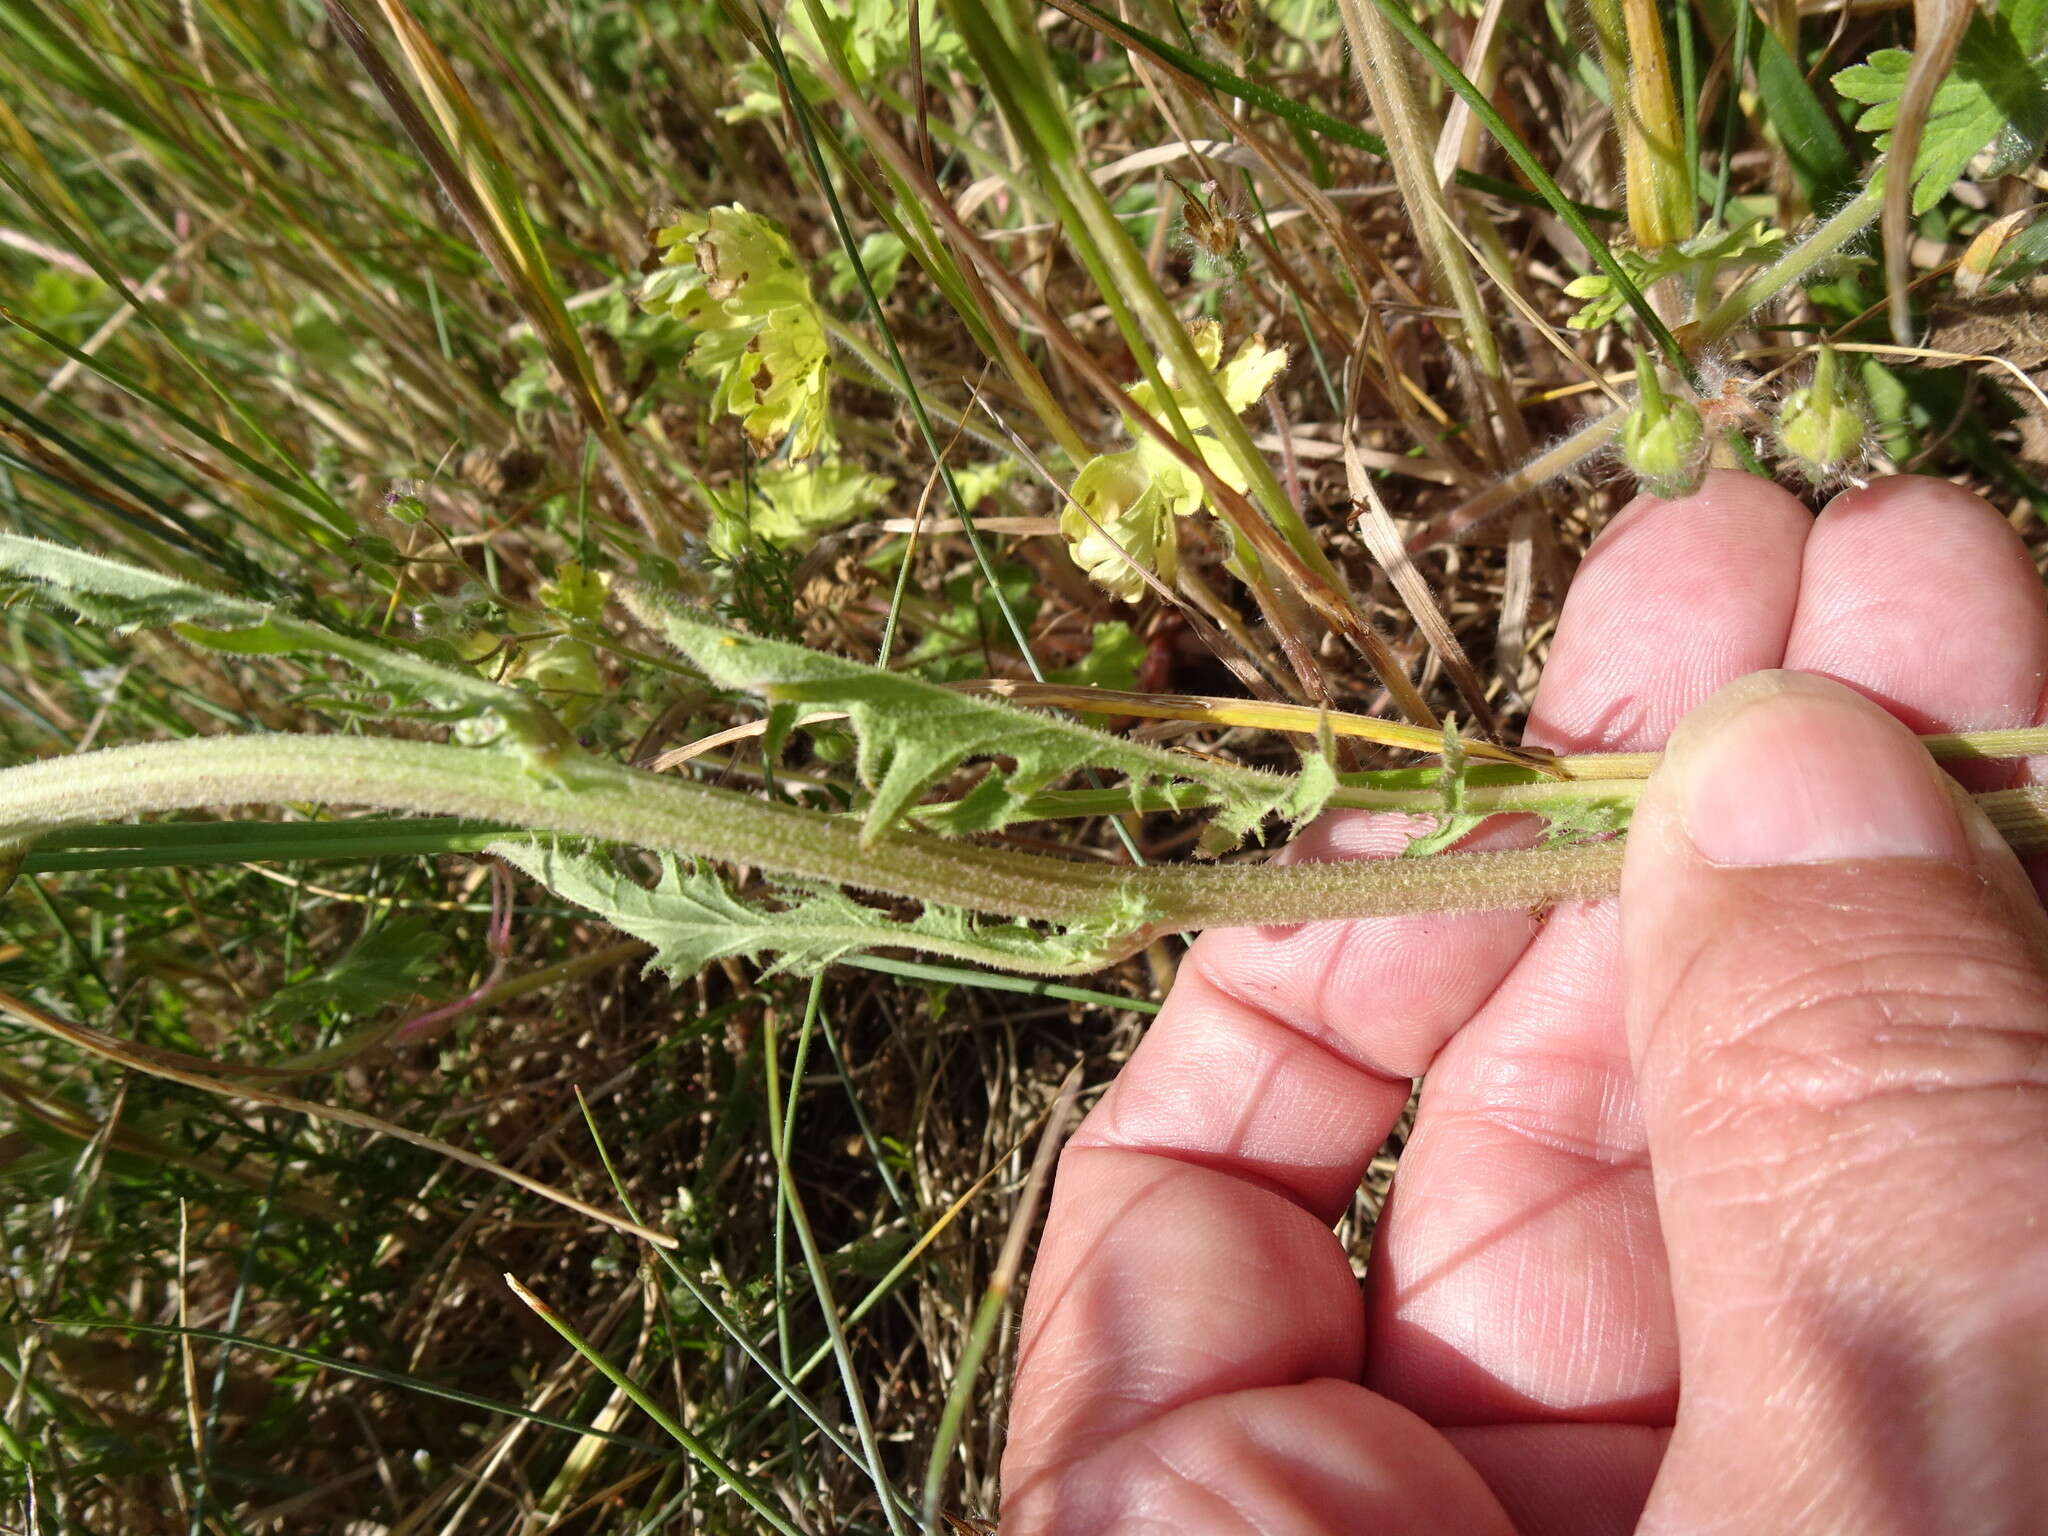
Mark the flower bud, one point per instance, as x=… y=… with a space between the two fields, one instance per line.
x=1663 y=439
x=1822 y=425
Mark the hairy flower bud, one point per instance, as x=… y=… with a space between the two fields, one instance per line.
x=1663 y=440
x=1822 y=425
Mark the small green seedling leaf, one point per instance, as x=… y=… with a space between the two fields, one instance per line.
x=790 y=505
x=913 y=733
x=392 y=962
x=1993 y=103
x=1695 y=261
x=1113 y=659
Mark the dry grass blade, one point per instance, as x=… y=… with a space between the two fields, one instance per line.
x=1375 y=525
x=480 y=189
x=108 y=1048
x=1938 y=28
x=996 y=1300
x=1462 y=521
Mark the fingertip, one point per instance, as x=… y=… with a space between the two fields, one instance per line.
x=1920 y=595
x=1675 y=598
x=1911 y=495
x=1719 y=491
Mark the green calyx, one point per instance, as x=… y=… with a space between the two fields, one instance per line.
x=1822 y=425
x=1663 y=439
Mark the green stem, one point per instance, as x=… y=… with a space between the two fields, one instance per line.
x=596 y=799
x=1797 y=264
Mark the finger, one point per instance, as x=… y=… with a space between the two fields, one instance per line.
x=1922 y=597
x=1566 y=1479
x=1918 y=595
x=1835 y=974
x=1188 y=1251
x=1518 y=1272
x=1320 y=1457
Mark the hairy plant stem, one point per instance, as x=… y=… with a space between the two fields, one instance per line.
x=1824 y=244
x=588 y=797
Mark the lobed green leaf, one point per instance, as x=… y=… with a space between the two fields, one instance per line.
x=1995 y=100
x=913 y=733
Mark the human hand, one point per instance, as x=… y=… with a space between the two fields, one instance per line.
x=1759 y=1151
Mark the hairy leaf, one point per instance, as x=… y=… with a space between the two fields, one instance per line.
x=1994 y=99
x=692 y=919
x=111 y=594
x=117 y=596
x=913 y=733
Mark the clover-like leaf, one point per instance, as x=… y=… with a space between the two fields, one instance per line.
x=790 y=505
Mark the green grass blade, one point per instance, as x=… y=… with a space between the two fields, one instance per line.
x=193 y=844
x=1447 y=70
x=708 y=1458
x=357 y=1368
x=1806 y=131
x=996 y=981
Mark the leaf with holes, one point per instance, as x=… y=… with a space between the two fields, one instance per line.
x=733 y=276
x=692 y=918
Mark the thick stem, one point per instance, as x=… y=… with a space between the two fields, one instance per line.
x=1646 y=116
x=597 y=799
x=588 y=797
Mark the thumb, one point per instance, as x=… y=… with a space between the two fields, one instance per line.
x=1838 y=1008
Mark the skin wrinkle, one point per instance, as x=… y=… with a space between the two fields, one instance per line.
x=1739 y=1055
x=1309 y=1073
x=1523 y=1099
x=1308 y=1352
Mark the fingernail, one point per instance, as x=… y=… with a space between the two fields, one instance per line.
x=1785 y=768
